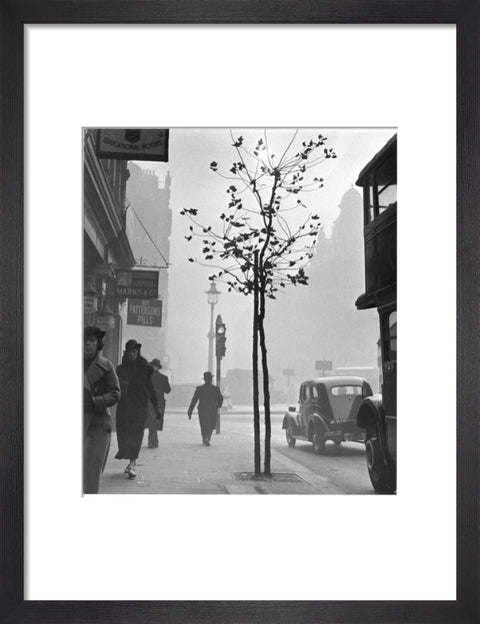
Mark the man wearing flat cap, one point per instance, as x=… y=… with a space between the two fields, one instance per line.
x=101 y=390
x=209 y=400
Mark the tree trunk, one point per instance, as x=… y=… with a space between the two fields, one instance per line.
x=266 y=385
x=256 y=405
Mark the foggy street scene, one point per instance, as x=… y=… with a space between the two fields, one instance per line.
x=239 y=310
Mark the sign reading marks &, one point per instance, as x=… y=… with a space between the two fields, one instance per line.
x=137 y=284
x=146 y=312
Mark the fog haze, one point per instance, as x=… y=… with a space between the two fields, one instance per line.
x=294 y=323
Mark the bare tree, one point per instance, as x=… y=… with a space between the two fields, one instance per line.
x=265 y=239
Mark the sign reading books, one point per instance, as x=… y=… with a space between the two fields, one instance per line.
x=133 y=144
x=146 y=312
x=137 y=284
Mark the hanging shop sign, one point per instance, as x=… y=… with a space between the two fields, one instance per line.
x=137 y=284
x=133 y=144
x=90 y=303
x=146 y=312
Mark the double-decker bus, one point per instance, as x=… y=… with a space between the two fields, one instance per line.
x=378 y=413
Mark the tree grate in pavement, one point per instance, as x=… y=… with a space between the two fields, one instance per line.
x=278 y=477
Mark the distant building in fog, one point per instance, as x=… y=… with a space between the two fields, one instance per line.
x=150 y=225
x=337 y=278
x=330 y=327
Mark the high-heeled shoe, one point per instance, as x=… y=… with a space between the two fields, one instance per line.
x=131 y=473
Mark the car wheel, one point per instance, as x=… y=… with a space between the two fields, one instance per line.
x=291 y=441
x=318 y=440
x=380 y=474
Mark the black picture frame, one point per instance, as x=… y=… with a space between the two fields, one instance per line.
x=465 y=14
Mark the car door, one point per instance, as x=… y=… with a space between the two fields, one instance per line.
x=303 y=408
x=314 y=403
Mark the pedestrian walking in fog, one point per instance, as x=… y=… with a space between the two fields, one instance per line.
x=161 y=385
x=135 y=375
x=209 y=400
x=101 y=390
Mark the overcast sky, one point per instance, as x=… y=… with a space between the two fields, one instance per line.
x=194 y=185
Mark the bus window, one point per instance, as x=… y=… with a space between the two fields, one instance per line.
x=369 y=201
x=387 y=184
x=392 y=323
x=390 y=339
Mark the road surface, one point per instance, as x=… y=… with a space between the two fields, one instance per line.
x=344 y=466
x=183 y=465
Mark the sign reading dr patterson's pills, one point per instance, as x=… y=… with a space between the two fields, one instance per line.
x=133 y=144
x=137 y=284
x=146 y=312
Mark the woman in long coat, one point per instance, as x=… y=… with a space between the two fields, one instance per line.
x=135 y=375
x=101 y=390
x=154 y=422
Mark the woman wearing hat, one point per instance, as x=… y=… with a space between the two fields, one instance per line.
x=135 y=375
x=101 y=390
x=154 y=422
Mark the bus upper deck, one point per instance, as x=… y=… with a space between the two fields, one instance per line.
x=379 y=182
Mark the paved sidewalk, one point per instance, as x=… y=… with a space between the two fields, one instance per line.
x=183 y=465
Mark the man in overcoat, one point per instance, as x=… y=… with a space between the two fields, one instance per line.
x=101 y=390
x=209 y=400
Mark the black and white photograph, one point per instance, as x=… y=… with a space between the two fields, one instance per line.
x=213 y=264
x=240 y=310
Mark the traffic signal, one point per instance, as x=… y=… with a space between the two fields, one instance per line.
x=220 y=338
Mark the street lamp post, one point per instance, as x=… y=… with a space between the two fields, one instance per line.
x=212 y=295
x=220 y=340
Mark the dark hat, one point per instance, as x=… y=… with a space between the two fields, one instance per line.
x=155 y=362
x=93 y=331
x=207 y=375
x=132 y=344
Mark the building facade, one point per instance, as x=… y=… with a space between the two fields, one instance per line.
x=106 y=245
x=337 y=275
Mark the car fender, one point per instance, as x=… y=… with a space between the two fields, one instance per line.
x=371 y=410
x=371 y=407
x=289 y=420
x=316 y=419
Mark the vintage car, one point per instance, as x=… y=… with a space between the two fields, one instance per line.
x=328 y=408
